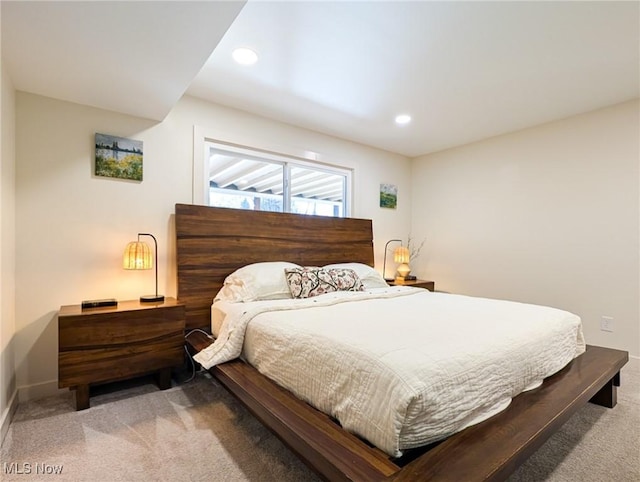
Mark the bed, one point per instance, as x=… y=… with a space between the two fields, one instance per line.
x=214 y=242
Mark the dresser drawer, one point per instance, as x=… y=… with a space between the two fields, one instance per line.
x=105 y=328
x=99 y=365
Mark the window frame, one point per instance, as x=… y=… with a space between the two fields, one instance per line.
x=288 y=157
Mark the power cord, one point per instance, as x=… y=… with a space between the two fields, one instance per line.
x=190 y=358
x=193 y=366
x=208 y=335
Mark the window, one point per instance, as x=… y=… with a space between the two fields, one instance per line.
x=247 y=179
x=244 y=183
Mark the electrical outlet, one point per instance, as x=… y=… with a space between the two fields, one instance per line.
x=606 y=323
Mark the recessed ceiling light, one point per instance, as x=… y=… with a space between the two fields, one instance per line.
x=244 y=56
x=403 y=119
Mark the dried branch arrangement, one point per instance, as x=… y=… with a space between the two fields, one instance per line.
x=414 y=251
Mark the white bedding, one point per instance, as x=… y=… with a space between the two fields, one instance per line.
x=399 y=366
x=217 y=318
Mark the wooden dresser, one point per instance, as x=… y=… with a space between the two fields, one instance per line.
x=100 y=345
x=417 y=283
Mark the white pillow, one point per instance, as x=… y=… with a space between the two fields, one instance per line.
x=257 y=281
x=370 y=277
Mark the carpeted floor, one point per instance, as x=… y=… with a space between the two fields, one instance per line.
x=198 y=432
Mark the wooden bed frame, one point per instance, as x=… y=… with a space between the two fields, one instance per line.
x=213 y=242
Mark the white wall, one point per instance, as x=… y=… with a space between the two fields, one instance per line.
x=7 y=251
x=72 y=226
x=547 y=215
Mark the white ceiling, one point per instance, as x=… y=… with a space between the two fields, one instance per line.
x=132 y=57
x=463 y=70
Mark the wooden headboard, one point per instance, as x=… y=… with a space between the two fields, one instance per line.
x=213 y=242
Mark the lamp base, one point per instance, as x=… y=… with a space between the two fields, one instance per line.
x=151 y=298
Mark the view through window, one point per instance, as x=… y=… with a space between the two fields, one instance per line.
x=251 y=180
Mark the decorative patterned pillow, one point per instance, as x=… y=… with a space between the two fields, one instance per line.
x=310 y=281
x=346 y=279
x=369 y=276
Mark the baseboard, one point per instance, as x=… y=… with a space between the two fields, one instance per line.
x=39 y=390
x=7 y=416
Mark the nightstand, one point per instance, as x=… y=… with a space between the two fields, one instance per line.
x=416 y=283
x=100 y=345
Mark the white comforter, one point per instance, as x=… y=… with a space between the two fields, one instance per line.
x=401 y=367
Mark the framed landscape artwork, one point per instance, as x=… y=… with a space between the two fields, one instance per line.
x=118 y=157
x=388 y=196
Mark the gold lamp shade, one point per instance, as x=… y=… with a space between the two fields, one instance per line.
x=137 y=255
x=401 y=255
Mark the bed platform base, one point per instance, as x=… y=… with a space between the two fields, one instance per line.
x=490 y=451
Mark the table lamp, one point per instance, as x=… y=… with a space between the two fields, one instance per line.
x=137 y=255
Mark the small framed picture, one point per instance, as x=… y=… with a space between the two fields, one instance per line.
x=388 y=196
x=118 y=157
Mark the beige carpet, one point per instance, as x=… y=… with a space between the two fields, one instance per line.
x=198 y=432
